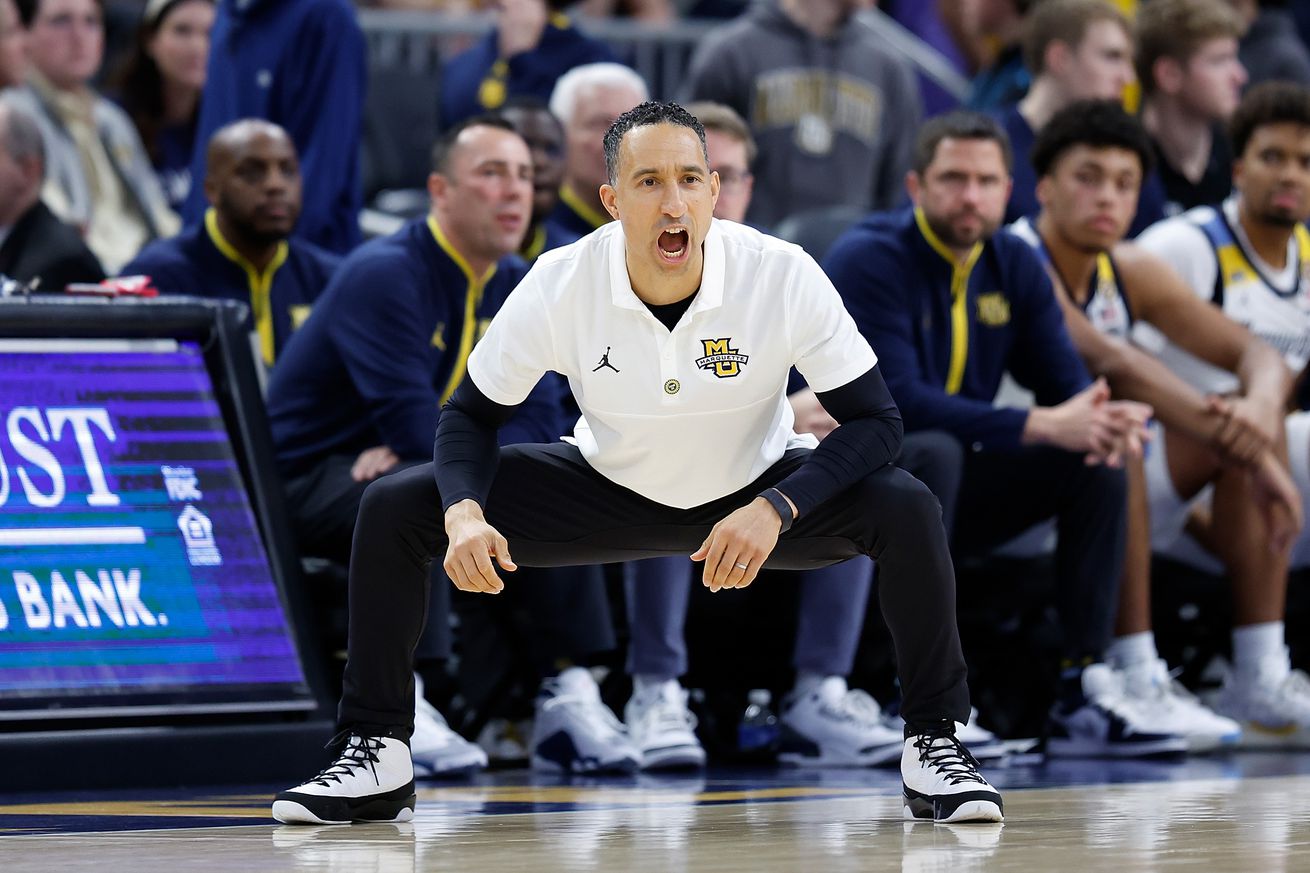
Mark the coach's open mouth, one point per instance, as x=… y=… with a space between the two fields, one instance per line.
x=673 y=243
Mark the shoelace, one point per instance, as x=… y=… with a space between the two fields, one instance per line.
x=943 y=752
x=360 y=753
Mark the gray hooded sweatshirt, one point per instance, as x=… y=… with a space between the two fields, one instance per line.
x=835 y=119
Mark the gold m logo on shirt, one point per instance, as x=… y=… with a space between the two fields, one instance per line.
x=993 y=309
x=720 y=358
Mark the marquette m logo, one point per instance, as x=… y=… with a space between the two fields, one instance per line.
x=993 y=309
x=719 y=357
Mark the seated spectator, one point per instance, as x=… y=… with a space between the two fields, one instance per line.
x=541 y=130
x=98 y=176
x=33 y=243
x=928 y=21
x=991 y=33
x=13 y=46
x=832 y=110
x=300 y=64
x=1191 y=82
x=1074 y=50
x=531 y=46
x=359 y=391
x=160 y=86
x=242 y=251
x=732 y=151
x=952 y=303
x=1271 y=49
x=586 y=100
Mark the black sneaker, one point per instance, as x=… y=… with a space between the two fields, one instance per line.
x=941 y=782
x=372 y=780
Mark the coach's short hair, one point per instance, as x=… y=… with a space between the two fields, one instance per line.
x=1064 y=21
x=960 y=124
x=1268 y=103
x=445 y=144
x=1177 y=29
x=564 y=99
x=650 y=112
x=1095 y=123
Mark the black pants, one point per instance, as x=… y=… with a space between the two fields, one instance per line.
x=1004 y=494
x=570 y=605
x=324 y=503
x=936 y=459
x=554 y=509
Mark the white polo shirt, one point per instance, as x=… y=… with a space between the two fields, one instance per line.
x=687 y=416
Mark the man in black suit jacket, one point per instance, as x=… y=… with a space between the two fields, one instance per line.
x=33 y=243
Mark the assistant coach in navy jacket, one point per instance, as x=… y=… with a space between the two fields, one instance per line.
x=360 y=388
x=952 y=304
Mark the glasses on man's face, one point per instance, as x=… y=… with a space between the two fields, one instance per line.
x=730 y=177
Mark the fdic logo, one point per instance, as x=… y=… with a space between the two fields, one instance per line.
x=719 y=357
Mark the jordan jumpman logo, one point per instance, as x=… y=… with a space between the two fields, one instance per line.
x=605 y=362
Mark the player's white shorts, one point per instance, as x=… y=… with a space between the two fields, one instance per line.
x=1169 y=512
x=1298 y=454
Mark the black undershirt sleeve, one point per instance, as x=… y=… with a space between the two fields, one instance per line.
x=465 y=454
x=869 y=438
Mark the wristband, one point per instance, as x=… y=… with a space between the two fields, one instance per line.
x=781 y=506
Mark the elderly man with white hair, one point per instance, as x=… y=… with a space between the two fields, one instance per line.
x=587 y=100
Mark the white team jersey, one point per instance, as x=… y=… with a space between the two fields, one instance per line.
x=1105 y=307
x=1209 y=250
x=687 y=416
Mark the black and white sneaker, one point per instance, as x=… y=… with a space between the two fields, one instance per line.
x=941 y=781
x=1102 y=722
x=372 y=780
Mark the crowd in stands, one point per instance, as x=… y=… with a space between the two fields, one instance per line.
x=1100 y=246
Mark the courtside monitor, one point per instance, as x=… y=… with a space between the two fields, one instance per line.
x=140 y=573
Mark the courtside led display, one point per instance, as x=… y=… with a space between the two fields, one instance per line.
x=131 y=566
